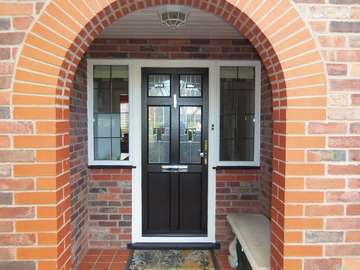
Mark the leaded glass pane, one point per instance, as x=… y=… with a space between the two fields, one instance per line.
x=190 y=85
x=111 y=113
x=102 y=125
x=159 y=85
x=237 y=113
x=190 y=134
x=159 y=134
x=102 y=148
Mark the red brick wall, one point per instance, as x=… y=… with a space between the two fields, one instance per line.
x=172 y=49
x=78 y=165
x=237 y=190
x=109 y=208
x=307 y=122
x=266 y=147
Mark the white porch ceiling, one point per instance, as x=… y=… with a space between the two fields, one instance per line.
x=146 y=24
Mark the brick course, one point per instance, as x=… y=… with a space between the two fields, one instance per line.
x=78 y=165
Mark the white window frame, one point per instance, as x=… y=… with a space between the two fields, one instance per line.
x=256 y=161
x=135 y=125
x=90 y=105
x=134 y=66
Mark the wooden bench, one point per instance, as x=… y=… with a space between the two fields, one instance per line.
x=253 y=233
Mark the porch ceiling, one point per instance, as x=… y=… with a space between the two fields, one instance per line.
x=146 y=24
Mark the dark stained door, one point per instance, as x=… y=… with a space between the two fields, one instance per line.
x=174 y=145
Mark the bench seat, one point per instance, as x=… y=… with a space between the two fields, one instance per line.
x=253 y=233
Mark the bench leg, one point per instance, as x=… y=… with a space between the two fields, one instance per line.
x=242 y=261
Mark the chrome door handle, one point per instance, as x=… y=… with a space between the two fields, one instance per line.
x=174 y=167
x=204 y=154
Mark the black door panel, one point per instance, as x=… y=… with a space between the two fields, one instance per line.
x=174 y=143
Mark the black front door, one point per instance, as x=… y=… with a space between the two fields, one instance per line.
x=174 y=145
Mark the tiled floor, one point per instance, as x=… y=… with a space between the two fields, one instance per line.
x=111 y=259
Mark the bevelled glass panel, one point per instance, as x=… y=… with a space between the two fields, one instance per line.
x=111 y=113
x=159 y=85
x=102 y=147
x=190 y=85
x=190 y=134
x=159 y=134
x=237 y=113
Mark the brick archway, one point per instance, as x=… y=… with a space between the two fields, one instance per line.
x=44 y=74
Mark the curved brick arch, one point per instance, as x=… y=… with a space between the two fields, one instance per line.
x=45 y=70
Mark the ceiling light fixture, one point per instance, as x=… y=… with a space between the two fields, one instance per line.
x=173 y=16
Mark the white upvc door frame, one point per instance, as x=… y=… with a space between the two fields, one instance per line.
x=135 y=124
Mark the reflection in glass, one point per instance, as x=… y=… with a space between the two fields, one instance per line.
x=102 y=125
x=116 y=149
x=102 y=75
x=159 y=85
x=237 y=113
x=190 y=85
x=111 y=113
x=102 y=148
x=190 y=134
x=159 y=134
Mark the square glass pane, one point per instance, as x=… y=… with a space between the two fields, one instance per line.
x=118 y=99
x=103 y=72
x=237 y=113
x=124 y=147
x=190 y=85
x=102 y=84
x=102 y=100
x=120 y=86
x=159 y=134
x=115 y=149
x=237 y=73
x=190 y=135
x=159 y=85
x=120 y=72
x=102 y=125
x=124 y=118
x=115 y=125
x=102 y=75
x=102 y=149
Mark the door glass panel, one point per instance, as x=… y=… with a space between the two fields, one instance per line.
x=159 y=85
x=190 y=85
x=159 y=134
x=237 y=113
x=190 y=134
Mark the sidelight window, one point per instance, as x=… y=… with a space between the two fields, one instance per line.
x=109 y=114
x=239 y=111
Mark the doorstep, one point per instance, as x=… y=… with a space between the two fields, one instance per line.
x=116 y=259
